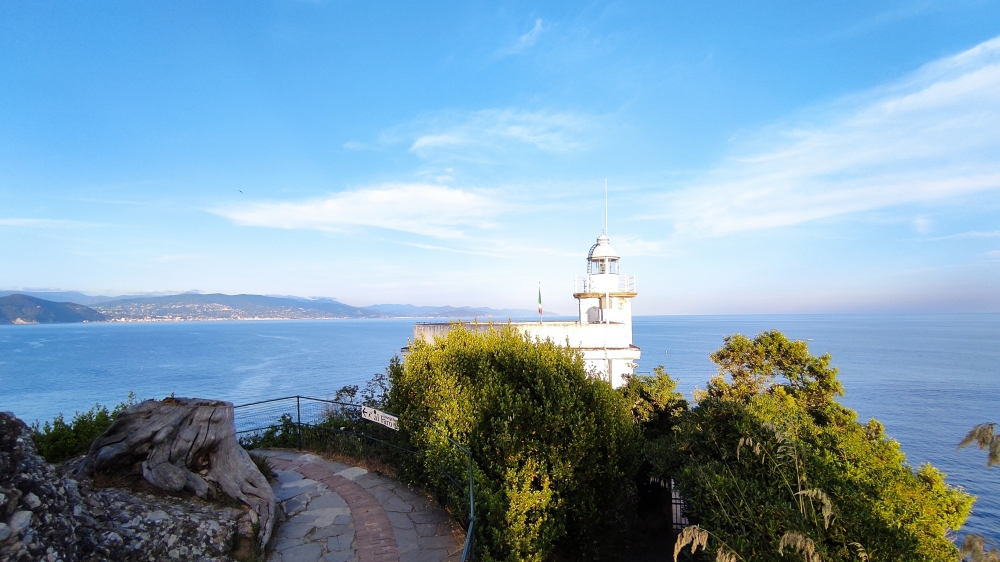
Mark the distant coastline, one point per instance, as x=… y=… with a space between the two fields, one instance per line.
x=33 y=308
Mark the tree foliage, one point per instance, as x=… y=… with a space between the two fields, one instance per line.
x=771 y=466
x=59 y=441
x=555 y=449
x=985 y=437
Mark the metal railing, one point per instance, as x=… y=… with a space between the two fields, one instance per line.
x=600 y=284
x=298 y=420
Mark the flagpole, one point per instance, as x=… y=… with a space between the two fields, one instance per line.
x=539 y=302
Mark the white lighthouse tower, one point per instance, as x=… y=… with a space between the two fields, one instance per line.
x=604 y=294
x=603 y=330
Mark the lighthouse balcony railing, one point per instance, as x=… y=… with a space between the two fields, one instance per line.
x=604 y=283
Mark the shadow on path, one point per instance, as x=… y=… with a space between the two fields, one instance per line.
x=338 y=513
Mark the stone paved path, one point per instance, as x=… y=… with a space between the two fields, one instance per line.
x=338 y=513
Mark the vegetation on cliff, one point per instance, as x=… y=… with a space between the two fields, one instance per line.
x=555 y=449
x=58 y=441
x=770 y=463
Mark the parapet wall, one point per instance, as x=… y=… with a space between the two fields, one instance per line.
x=581 y=336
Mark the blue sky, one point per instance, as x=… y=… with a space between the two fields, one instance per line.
x=765 y=158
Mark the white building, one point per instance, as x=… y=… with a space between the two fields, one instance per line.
x=603 y=329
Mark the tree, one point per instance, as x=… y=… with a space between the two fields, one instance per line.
x=769 y=463
x=974 y=547
x=985 y=437
x=555 y=449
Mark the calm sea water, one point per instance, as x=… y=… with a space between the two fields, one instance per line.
x=929 y=379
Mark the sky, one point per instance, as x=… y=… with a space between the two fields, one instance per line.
x=769 y=157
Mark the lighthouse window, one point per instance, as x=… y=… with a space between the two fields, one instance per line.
x=603 y=267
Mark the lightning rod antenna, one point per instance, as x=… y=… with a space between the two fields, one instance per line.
x=606 y=208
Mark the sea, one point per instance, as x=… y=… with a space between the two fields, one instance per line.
x=928 y=378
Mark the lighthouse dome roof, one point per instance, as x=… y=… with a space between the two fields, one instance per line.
x=602 y=250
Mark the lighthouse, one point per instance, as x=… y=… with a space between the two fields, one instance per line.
x=604 y=294
x=602 y=332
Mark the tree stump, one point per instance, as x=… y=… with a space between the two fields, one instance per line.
x=186 y=444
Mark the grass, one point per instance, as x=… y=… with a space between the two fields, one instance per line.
x=263 y=464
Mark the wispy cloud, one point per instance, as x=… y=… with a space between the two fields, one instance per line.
x=904 y=11
x=171 y=258
x=934 y=134
x=524 y=42
x=634 y=246
x=429 y=210
x=969 y=234
x=488 y=135
x=494 y=131
x=46 y=223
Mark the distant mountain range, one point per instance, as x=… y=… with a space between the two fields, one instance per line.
x=23 y=309
x=197 y=306
x=74 y=296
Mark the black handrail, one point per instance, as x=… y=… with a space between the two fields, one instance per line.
x=467 y=551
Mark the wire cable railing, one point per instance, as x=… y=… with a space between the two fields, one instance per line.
x=304 y=422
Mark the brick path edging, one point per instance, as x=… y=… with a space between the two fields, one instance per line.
x=375 y=541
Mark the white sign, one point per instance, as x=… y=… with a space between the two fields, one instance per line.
x=379 y=416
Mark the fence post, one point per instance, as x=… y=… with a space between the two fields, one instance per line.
x=298 y=419
x=471 y=539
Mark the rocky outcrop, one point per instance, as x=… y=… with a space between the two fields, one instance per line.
x=45 y=515
x=187 y=444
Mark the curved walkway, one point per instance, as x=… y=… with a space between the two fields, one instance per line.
x=337 y=513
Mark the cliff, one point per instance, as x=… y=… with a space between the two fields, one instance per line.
x=22 y=309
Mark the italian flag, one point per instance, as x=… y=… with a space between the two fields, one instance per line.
x=539 y=299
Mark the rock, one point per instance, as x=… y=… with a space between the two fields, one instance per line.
x=20 y=521
x=48 y=516
x=186 y=444
x=32 y=501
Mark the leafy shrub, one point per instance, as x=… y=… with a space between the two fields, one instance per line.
x=555 y=449
x=769 y=467
x=283 y=435
x=59 y=441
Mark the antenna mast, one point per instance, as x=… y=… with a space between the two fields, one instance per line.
x=606 y=207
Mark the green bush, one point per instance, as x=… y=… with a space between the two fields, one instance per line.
x=339 y=430
x=59 y=441
x=555 y=450
x=283 y=435
x=771 y=467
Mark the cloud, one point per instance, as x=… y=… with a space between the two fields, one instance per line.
x=633 y=246
x=488 y=135
x=428 y=210
x=171 y=258
x=489 y=131
x=932 y=135
x=969 y=234
x=525 y=41
x=45 y=223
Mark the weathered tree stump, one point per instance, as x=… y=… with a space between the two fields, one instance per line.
x=185 y=444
